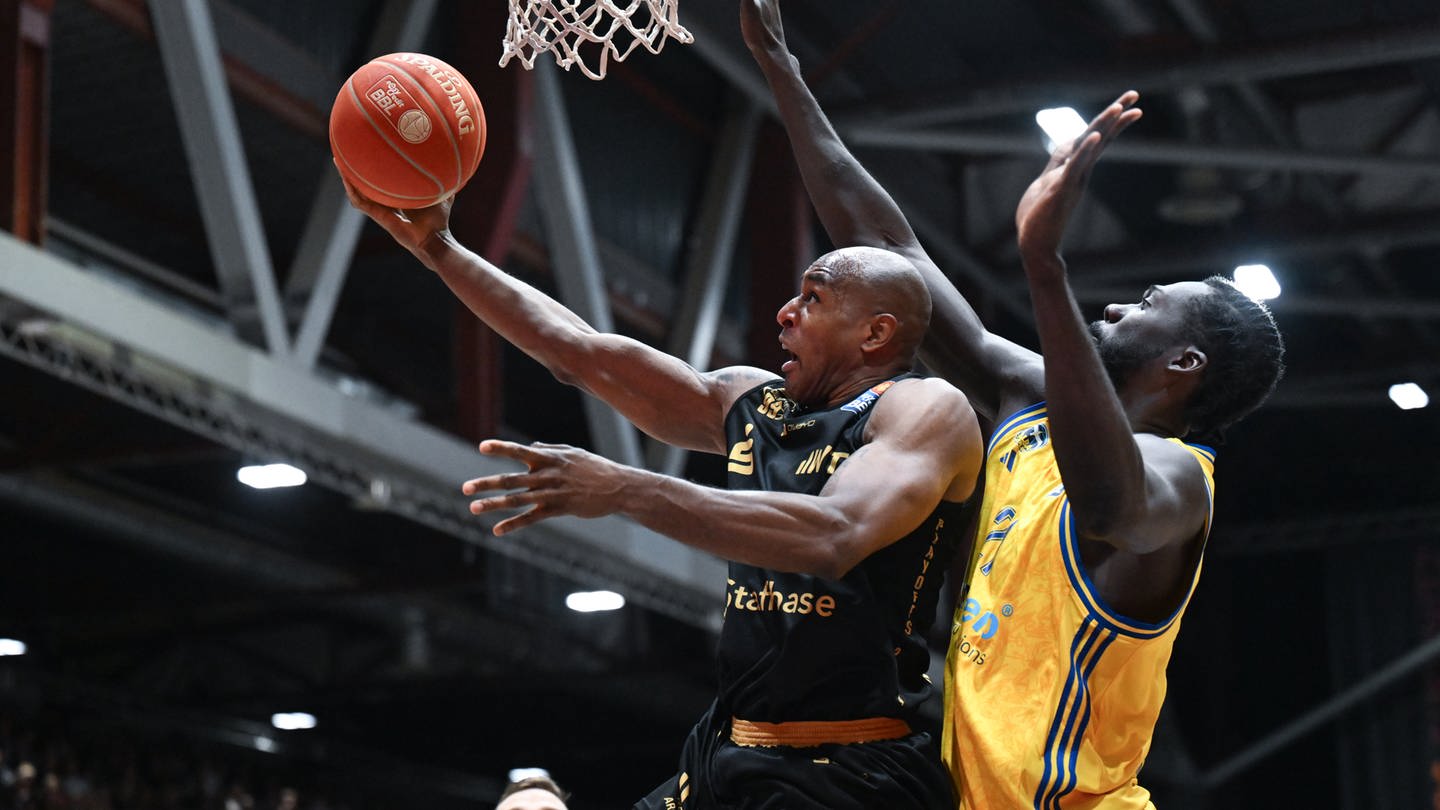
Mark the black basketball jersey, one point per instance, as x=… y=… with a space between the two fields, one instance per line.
x=800 y=647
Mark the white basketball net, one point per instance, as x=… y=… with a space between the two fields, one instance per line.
x=601 y=28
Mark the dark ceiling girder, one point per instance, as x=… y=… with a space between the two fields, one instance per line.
x=489 y=220
x=1379 y=47
x=1221 y=256
x=24 y=116
x=1027 y=144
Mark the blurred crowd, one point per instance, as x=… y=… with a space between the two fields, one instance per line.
x=51 y=768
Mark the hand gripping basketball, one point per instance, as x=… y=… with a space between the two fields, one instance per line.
x=407 y=130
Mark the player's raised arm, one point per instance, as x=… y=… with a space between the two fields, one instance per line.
x=661 y=394
x=924 y=447
x=856 y=210
x=1128 y=488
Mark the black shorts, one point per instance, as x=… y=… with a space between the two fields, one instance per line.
x=715 y=773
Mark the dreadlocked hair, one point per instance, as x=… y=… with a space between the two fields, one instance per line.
x=1245 y=357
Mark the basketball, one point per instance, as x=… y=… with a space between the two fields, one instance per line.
x=407 y=130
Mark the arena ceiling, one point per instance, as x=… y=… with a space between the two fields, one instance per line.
x=203 y=297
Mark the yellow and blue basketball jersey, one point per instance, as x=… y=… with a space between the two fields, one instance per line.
x=1051 y=697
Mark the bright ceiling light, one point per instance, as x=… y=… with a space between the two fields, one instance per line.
x=1256 y=281
x=10 y=646
x=292 y=721
x=1061 y=125
x=1409 y=396
x=516 y=774
x=270 y=476
x=594 y=601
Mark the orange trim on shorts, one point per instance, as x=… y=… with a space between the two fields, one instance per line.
x=810 y=733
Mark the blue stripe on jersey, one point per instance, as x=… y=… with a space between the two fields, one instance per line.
x=1207 y=452
x=1079 y=735
x=1014 y=421
x=1072 y=715
x=1090 y=595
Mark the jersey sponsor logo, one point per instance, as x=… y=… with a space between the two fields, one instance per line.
x=862 y=403
x=1032 y=438
x=776 y=405
x=1003 y=522
x=769 y=600
x=742 y=454
x=981 y=621
x=1026 y=441
x=816 y=460
x=795 y=427
x=982 y=625
x=920 y=578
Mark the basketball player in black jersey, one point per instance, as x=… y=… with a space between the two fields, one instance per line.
x=845 y=478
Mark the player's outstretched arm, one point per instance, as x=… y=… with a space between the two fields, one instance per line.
x=924 y=447
x=1137 y=492
x=856 y=210
x=663 y=395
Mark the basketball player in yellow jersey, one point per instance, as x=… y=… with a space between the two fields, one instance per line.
x=1095 y=509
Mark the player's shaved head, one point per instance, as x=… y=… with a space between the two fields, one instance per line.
x=874 y=281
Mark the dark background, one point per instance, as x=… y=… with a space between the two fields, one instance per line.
x=169 y=610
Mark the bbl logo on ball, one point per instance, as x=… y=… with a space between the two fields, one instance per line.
x=414 y=126
x=400 y=109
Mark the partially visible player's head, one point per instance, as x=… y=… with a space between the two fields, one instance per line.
x=860 y=310
x=533 y=793
x=1209 y=328
x=1246 y=356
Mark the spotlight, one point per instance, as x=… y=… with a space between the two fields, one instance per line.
x=292 y=721
x=1409 y=396
x=594 y=601
x=270 y=476
x=1256 y=281
x=1061 y=125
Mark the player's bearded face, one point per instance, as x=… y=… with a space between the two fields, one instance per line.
x=1121 y=354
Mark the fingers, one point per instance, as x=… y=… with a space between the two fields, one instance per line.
x=500 y=481
x=1121 y=113
x=1111 y=121
x=509 y=500
x=520 y=521
x=1126 y=119
x=528 y=456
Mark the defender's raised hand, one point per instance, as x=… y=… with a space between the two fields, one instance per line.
x=1045 y=208
x=559 y=480
x=761 y=26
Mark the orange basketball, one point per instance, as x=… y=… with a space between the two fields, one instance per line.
x=407 y=130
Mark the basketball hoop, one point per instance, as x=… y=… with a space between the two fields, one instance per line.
x=613 y=28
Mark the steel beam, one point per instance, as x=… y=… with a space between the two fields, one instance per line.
x=1382 y=47
x=487 y=220
x=186 y=36
x=252 y=401
x=333 y=227
x=1106 y=269
x=1027 y=144
x=1310 y=534
x=951 y=255
x=692 y=335
x=1408 y=308
x=24 y=117
x=576 y=260
x=1335 y=707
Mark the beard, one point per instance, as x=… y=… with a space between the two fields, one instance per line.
x=1121 y=357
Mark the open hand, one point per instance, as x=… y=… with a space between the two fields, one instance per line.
x=1046 y=206
x=761 y=26
x=410 y=227
x=559 y=480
